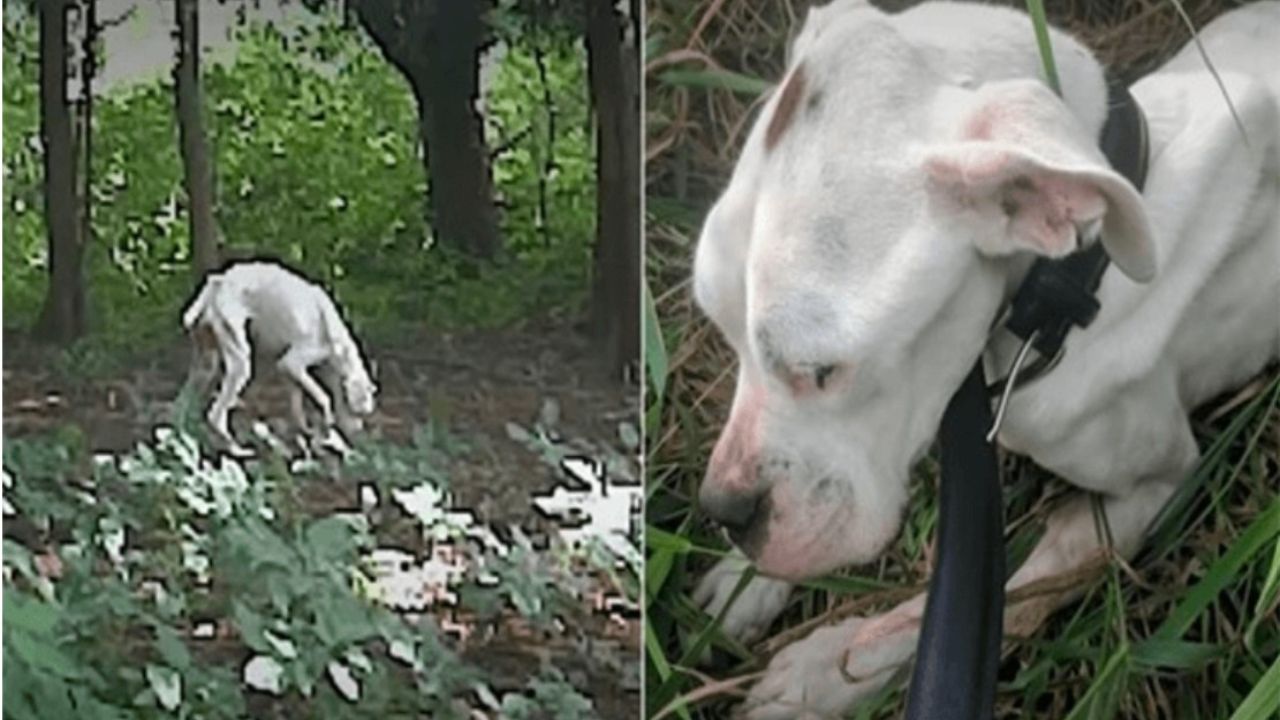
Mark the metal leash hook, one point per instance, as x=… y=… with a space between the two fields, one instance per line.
x=1011 y=384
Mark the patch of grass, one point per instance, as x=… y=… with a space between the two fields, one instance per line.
x=1185 y=630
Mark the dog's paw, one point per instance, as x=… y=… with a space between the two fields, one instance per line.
x=333 y=440
x=832 y=670
x=753 y=611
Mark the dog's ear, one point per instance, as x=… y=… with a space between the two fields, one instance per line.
x=1022 y=158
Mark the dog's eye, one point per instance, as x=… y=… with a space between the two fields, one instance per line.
x=822 y=374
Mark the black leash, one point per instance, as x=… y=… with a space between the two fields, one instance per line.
x=958 y=653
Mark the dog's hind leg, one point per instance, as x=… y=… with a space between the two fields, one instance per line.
x=236 y=371
x=203 y=369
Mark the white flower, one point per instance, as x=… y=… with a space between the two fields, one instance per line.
x=344 y=681
x=262 y=672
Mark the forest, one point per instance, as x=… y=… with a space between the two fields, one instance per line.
x=463 y=179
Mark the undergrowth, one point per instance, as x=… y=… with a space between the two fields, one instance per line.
x=159 y=582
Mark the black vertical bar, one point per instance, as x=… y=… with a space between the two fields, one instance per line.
x=958 y=653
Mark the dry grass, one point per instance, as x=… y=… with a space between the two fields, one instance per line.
x=1213 y=640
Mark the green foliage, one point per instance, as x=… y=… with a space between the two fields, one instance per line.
x=174 y=571
x=318 y=162
x=23 y=204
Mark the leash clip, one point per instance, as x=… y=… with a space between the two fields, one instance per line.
x=1010 y=384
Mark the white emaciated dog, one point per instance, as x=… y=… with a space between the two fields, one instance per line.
x=886 y=205
x=264 y=309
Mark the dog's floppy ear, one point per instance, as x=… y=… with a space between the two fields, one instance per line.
x=1022 y=158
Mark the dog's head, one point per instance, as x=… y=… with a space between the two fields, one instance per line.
x=876 y=220
x=358 y=386
x=361 y=392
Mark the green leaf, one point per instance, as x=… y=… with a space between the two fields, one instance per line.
x=171 y=648
x=41 y=655
x=166 y=683
x=716 y=80
x=1262 y=701
x=251 y=626
x=1221 y=573
x=1175 y=654
x=331 y=538
x=1036 y=9
x=23 y=613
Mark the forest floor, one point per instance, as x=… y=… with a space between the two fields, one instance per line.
x=473 y=385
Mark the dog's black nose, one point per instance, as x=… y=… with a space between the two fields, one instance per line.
x=735 y=508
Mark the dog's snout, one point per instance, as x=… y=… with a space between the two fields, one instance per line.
x=733 y=508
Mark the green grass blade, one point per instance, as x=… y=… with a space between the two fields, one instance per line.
x=1222 y=572
x=1103 y=695
x=1041 y=25
x=654 y=654
x=1262 y=701
x=717 y=80
x=656 y=360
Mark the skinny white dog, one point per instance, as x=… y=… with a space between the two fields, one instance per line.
x=289 y=320
x=886 y=205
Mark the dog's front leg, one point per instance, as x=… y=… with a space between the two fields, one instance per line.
x=835 y=667
x=295 y=363
x=755 y=608
x=297 y=409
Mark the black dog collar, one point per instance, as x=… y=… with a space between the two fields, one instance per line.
x=1059 y=294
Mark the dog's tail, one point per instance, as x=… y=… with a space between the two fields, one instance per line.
x=196 y=309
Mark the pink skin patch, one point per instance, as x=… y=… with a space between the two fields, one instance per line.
x=793 y=549
x=736 y=456
x=1044 y=207
x=1048 y=208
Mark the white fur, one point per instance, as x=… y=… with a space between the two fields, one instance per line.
x=875 y=243
x=264 y=309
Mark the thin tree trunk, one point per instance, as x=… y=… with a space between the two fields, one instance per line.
x=437 y=45
x=62 y=319
x=197 y=169
x=613 y=68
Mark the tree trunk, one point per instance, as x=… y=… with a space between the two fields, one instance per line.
x=62 y=319
x=613 y=69
x=437 y=45
x=197 y=170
